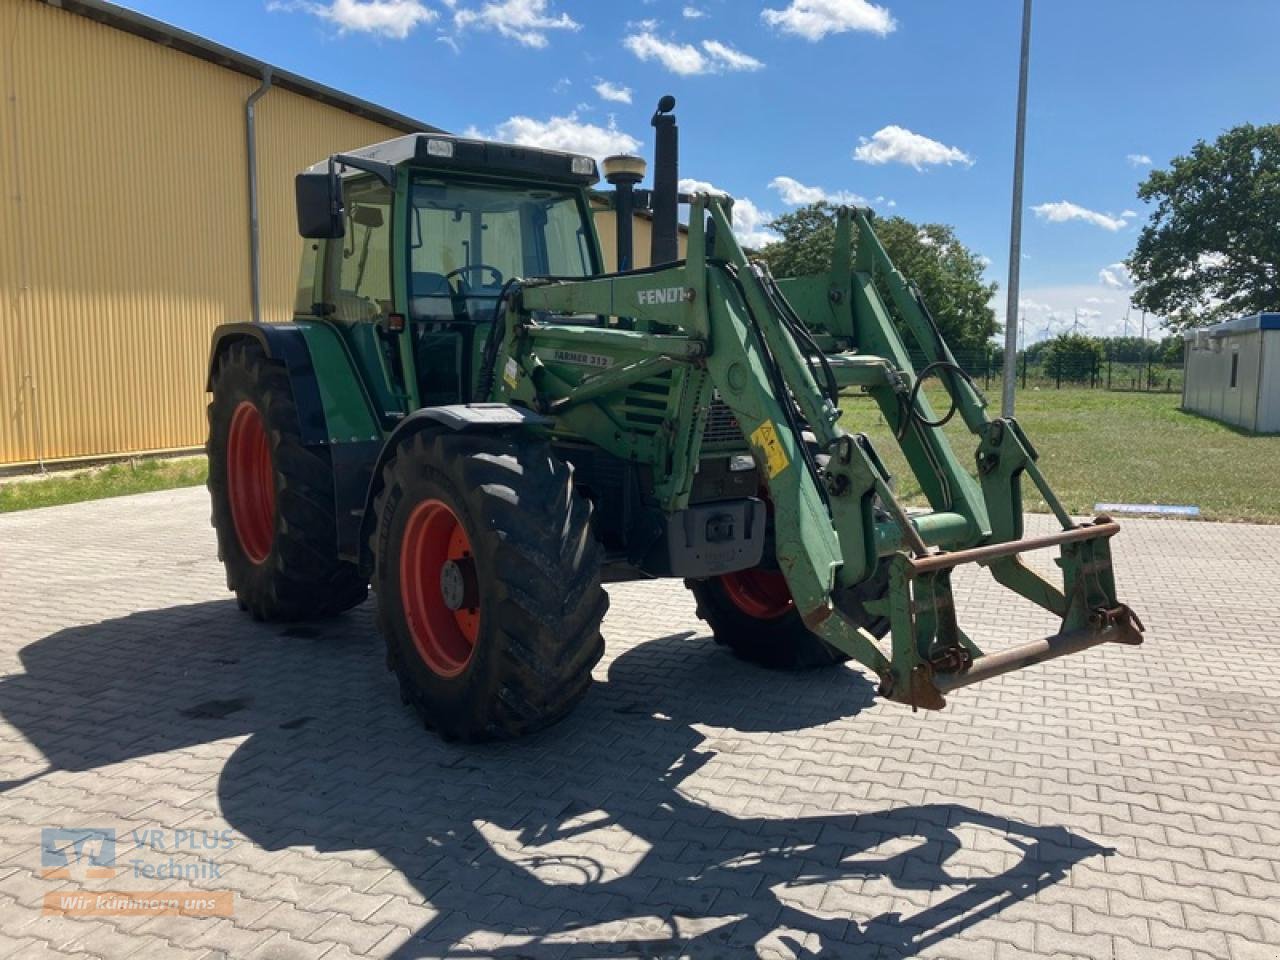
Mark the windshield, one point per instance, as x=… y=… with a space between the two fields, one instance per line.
x=466 y=240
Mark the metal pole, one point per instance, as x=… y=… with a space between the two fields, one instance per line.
x=1015 y=225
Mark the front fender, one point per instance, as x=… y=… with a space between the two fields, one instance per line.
x=461 y=418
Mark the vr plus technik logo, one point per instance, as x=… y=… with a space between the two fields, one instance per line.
x=80 y=852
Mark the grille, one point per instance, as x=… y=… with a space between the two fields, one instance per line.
x=722 y=425
x=644 y=405
x=644 y=408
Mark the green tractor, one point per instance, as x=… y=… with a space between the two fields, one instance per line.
x=470 y=414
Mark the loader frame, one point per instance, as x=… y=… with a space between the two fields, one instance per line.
x=779 y=354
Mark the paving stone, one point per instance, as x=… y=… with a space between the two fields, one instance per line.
x=1122 y=804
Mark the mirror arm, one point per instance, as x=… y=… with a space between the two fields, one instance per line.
x=383 y=171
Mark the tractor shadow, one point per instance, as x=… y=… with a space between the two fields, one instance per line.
x=586 y=840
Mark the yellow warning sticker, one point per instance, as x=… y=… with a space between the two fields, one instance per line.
x=765 y=439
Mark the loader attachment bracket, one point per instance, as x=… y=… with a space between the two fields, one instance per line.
x=935 y=657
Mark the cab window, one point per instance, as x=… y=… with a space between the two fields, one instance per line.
x=467 y=240
x=359 y=271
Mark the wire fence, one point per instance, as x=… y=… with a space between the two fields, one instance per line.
x=1047 y=372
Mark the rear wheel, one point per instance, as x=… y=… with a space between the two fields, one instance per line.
x=488 y=583
x=272 y=497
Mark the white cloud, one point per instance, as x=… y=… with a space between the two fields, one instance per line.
x=613 y=91
x=1128 y=214
x=1116 y=276
x=692 y=13
x=525 y=21
x=684 y=58
x=731 y=59
x=1061 y=211
x=561 y=133
x=894 y=144
x=750 y=223
x=1138 y=160
x=387 y=18
x=794 y=193
x=814 y=19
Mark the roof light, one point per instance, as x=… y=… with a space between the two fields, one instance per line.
x=583 y=166
x=440 y=148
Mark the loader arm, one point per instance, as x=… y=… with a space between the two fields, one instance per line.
x=732 y=329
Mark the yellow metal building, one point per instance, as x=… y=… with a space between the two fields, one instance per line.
x=126 y=232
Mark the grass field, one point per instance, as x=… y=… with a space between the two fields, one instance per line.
x=1096 y=447
x=118 y=479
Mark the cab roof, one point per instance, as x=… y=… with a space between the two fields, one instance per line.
x=441 y=151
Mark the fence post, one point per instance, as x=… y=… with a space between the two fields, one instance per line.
x=1108 y=374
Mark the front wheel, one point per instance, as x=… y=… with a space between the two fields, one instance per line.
x=751 y=612
x=488 y=583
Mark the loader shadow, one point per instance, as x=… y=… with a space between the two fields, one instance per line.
x=587 y=840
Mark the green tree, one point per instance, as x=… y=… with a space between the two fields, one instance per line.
x=1073 y=356
x=948 y=273
x=1171 y=349
x=1211 y=249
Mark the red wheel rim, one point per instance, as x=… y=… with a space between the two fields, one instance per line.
x=762 y=594
x=251 y=482
x=445 y=637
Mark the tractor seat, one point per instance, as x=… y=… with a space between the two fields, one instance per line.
x=430 y=295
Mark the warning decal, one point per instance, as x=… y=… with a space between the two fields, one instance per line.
x=765 y=439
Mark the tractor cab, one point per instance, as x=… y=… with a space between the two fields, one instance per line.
x=409 y=244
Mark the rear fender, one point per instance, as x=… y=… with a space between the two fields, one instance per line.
x=334 y=410
x=285 y=343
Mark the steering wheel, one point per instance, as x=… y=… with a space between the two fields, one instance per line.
x=476 y=268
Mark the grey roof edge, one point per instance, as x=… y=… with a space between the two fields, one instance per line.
x=1254 y=321
x=157 y=31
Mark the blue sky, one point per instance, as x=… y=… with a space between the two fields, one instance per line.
x=906 y=103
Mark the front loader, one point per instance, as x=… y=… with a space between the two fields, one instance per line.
x=470 y=414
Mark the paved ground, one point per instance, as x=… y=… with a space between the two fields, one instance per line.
x=1124 y=804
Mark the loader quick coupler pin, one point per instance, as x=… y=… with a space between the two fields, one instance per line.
x=955 y=659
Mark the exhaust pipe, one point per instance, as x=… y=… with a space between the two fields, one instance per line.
x=665 y=245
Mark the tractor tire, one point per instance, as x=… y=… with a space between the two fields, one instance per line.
x=751 y=612
x=272 y=497
x=488 y=583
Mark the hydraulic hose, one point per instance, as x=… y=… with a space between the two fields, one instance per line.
x=778 y=381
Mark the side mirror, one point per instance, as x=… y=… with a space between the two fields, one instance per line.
x=320 y=211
